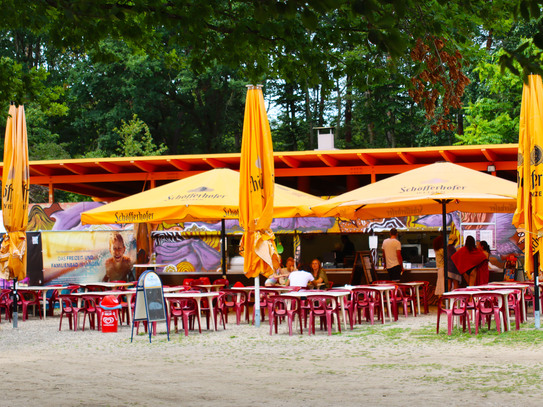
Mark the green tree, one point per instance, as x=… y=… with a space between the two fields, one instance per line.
x=136 y=139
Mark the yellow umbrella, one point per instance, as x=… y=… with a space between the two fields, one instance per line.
x=530 y=159
x=423 y=191
x=432 y=189
x=211 y=195
x=256 y=192
x=15 y=186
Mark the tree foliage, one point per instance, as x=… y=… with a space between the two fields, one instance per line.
x=384 y=73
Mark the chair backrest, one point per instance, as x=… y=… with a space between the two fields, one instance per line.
x=366 y=295
x=188 y=281
x=330 y=284
x=222 y=281
x=321 y=303
x=486 y=301
x=459 y=303
x=205 y=280
x=233 y=295
x=281 y=304
x=197 y=281
x=238 y=284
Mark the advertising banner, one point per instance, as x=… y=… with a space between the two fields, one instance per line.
x=82 y=257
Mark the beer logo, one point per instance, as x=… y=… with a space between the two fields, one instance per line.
x=520 y=160
x=201 y=189
x=536 y=156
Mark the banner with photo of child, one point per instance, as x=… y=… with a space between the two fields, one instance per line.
x=79 y=257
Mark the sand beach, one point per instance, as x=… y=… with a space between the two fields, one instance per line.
x=397 y=364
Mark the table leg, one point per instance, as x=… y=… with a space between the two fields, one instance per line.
x=212 y=313
x=44 y=303
x=390 y=317
x=417 y=290
x=342 y=301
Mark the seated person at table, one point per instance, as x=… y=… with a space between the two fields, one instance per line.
x=280 y=276
x=119 y=266
x=320 y=279
x=299 y=278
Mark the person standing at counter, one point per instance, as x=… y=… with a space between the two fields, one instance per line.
x=455 y=278
x=437 y=243
x=467 y=259
x=483 y=272
x=392 y=255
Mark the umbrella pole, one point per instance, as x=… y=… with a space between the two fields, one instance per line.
x=536 y=292
x=14 y=313
x=257 y=301
x=445 y=245
x=223 y=248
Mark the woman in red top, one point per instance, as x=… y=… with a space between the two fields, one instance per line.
x=483 y=272
x=467 y=260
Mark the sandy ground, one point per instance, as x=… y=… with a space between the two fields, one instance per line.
x=398 y=364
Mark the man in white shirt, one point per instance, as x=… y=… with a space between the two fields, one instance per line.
x=392 y=255
x=299 y=278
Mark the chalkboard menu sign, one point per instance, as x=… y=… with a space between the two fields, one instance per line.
x=150 y=305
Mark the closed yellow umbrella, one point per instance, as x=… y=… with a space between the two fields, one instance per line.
x=15 y=186
x=529 y=213
x=256 y=194
x=256 y=189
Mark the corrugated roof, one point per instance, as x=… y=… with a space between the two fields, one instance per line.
x=319 y=172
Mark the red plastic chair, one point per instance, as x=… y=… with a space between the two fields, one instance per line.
x=234 y=300
x=264 y=295
x=325 y=307
x=5 y=303
x=187 y=310
x=69 y=309
x=205 y=280
x=487 y=305
x=218 y=310
x=409 y=297
x=369 y=301
x=188 y=281
x=458 y=308
x=30 y=298
x=53 y=299
x=424 y=294
x=284 y=307
x=225 y=283
x=238 y=284
x=515 y=305
x=89 y=309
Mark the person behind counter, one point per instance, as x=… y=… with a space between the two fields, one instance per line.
x=467 y=259
x=320 y=279
x=392 y=256
x=455 y=278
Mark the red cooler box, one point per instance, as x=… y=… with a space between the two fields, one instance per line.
x=110 y=317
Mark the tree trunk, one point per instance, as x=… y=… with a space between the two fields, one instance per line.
x=348 y=130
